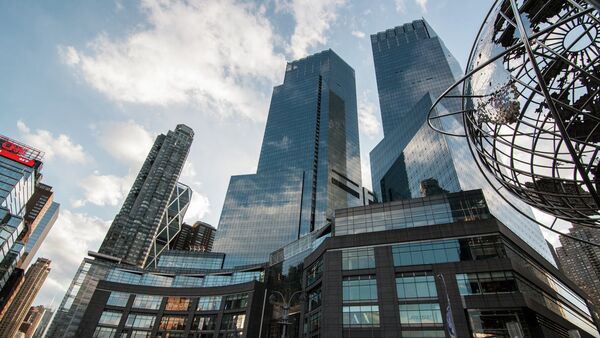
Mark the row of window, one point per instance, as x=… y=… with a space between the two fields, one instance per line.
x=411 y=315
x=428 y=252
x=150 y=279
x=109 y=332
x=205 y=303
x=418 y=285
x=454 y=250
x=229 y=321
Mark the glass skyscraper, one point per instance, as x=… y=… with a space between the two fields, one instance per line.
x=309 y=163
x=413 y=68
x=20 y=172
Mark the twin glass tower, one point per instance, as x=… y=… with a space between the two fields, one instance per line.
x=309 y=163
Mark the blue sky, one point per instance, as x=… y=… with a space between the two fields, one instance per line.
x=93 y=82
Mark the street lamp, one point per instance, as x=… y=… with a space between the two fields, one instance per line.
x=285 y=304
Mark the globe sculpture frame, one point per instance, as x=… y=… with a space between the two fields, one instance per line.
x=530 y=107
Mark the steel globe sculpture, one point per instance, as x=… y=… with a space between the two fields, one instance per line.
x=530 y=105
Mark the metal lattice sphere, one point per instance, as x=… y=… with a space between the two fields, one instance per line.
x=531 y=104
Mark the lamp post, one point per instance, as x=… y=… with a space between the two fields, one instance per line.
x=285 y=305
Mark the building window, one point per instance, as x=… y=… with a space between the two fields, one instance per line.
x=238 y=301
x=486 y=282
x=104 y=332
x=110 y=318
x=173 y=322
x=359 y=288
x=233 y=321
x=477 y=248
x=147 y=302
x=140 y=334
x=118 y=299
x=430 y=252
x=209 y=303
x=171 y=335
x=423 y=334
x=361 y=316
x=206 y=322
x=415 y=285
x=177 y=303
x=156 y=280
x=315 y=272
x=230 y=335
x=314 y=299
x=420 y=314
x=314 y=323
x=125 y=277
x=140 y=321
x=501 y=323
x=358 y=258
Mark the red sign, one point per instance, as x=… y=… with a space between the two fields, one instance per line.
x=14 y=152
x=13 y=148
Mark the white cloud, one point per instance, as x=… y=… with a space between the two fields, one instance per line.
x=313 y=19
x=358 y=34
x=67 y=243
x=199 y=207
x=400 y=6
x=126 y=141
x=215 y=54
x=188 y=173
x=59 y=146
x=422 y=4
x=104 y=189
x=367 y=118
x=69 y=55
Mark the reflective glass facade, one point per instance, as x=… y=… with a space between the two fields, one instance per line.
x=410 y=62
x=228 y=311
x=185 y=260
x=413 y=68
x=417 y=212
x=147 y=278
x=309 y=163
x=17 y=186
x=403 y=268
x=40 y=231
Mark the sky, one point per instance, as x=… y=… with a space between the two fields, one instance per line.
x=92 y=83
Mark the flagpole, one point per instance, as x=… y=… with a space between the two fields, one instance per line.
x=449 y=319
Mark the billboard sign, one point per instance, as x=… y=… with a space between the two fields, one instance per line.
x=15 y=152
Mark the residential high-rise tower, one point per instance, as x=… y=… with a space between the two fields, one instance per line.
x=16 y=312
x=130 y=236
x=581 y=262
x=197 y=237
x=309 y=163
x=148 y=222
